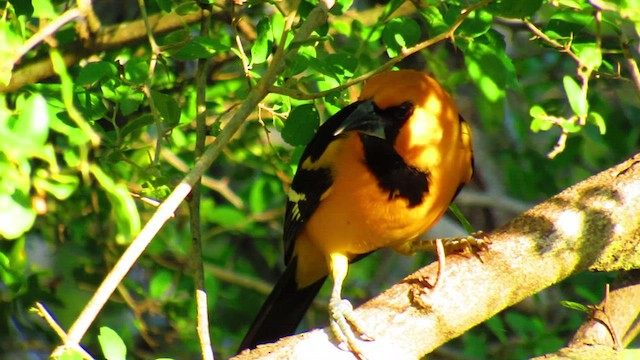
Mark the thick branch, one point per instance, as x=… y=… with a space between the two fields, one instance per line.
x=590 y=226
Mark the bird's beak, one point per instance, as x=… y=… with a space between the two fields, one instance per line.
x=364 y=119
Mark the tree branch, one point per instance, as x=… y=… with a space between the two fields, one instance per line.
x=590 y=226
x=109 y=38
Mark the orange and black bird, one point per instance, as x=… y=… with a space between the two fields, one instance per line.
x=377 y=174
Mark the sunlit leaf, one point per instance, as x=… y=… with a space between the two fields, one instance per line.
x=399 y=34
x=576 y=97
x=113 y=348
x=301 y=125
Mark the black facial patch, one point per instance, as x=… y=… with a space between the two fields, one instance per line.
x=392 y=173
x=396 y=117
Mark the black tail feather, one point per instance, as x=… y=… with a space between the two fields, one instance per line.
x=282 y=311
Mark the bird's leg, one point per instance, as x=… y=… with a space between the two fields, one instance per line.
x=343 y=319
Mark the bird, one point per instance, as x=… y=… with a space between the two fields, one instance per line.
x=377 y=174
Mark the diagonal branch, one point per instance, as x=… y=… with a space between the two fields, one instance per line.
x=591 y=226
x=165 y=211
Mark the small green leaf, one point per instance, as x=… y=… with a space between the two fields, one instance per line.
x=113 y=348
x=262 y=45
x=598 y=120
x=399 y=34
x=167 y=107
x=59 y=185
x=123 y=207
x=537 y=111
x=136 y=124
x=341 y=6
x=277 y=26
x=33 y=123
x=516 y=9
x=22 y=7
x=575 y=306
x=577 y=99
x=570 y=126
x=164 y=5
x=160 y=283
x=301 y=125
x=590 y=55
x=540 y=124
x=136 y=70
x=226 y=216
x=477 y=24
x=44 y=9
x=17 y=214
x=96 y=71
x=435 y=22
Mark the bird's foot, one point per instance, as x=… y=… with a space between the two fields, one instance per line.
x=345 y=325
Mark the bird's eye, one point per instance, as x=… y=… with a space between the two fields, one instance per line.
x=404 y=110
x=400 y=112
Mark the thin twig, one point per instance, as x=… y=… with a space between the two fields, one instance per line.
x=155 y=53
x=46 y=32
x=219 y=186
x=42 y=311
x=202 y=308
x=86 y=6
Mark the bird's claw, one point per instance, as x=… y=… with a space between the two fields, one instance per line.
x=345 y=325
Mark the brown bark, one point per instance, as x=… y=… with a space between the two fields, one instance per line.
x=593 y=225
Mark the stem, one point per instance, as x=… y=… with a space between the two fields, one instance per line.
x=202 y=308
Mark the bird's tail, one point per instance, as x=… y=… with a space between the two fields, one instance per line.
x=282 y=311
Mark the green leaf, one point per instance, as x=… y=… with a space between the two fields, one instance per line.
x=44 y=9
x=537 y=111
x=136 y=70
x=577 y=99
x=69 y=354
x=167 y=107
x=198 y=47
x=496 y=326
x=516 y=9
x=160 y=283
x=342 y=65
x=488 y=70
x=574 y=306
x=539 y=124
x=136 y=124
x=597 y=119
x=22 y=7
x=301 y=125
x=435 y=22
x=32 y=126
x=262 y=45
x=164 y=5
x=341 y=6
x=17 y=215
x=226 y=216
x=123 y=207
x=96 y=71
x=590 y=55
x=113 y=348
x=399 y=34
x=565 y=23
x=277 y=26
x=477 y=24
x=59 y=185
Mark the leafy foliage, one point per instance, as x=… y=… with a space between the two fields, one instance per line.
x=88 y=148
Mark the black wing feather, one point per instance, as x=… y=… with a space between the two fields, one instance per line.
x=311 y=183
